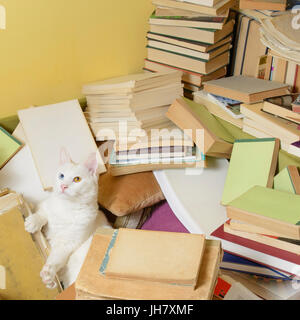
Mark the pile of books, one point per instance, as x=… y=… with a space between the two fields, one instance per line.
x=192 y=36
x=262 y=208
x=253 y=105
x=131 y=111
x=133 y=264
x=136 y=101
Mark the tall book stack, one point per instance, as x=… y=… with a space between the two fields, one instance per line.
x=131 y=111
x=137 y=101
x=191 y=36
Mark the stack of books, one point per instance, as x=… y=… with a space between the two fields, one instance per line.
x=192 y=36
x=137 y=101
x=131 y=111
x=262 y=209
x=249 y=101
x=131 y=264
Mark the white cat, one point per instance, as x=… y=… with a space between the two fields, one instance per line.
x=69 y=214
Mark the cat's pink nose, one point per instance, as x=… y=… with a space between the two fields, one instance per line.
x=63 y=187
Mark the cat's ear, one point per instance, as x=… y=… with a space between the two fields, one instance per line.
x=64 y=156
x=92 y=163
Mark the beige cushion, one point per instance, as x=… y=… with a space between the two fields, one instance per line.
x=123 y=195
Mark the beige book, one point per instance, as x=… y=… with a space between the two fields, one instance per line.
x=91 y=283
x=279 y=128
x=218 y=9
x=192 y=45
x=193 y=34
x=131 y=83
x=169 y=12
x=267 y=240
x=281 y=112
x=187 y=63
x=274 y=5
x=251 y=228
x=246 y=89
x=167 y=257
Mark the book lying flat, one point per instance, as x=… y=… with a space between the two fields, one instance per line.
x=253 y=162
x=206 y=56
x=246 y=89
x=131 y=83
x=187 y=76
x=92 y=283
x=210 y=36
x=192 y=22
x=9 y=146
x=288 y=180
x=274 y=5
x=268 y=208
x=251 y=228
x=285 y=130
x=258 y=252
x=206 y=132
x=174 y=12
x=218 y=9
x=189 y=44
x=281 y=112
x=187 y=62
x=166 y=257
x=286 y=244
x=239 y=264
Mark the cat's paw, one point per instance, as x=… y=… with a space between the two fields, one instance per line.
x=48 y=276
x=33 y=223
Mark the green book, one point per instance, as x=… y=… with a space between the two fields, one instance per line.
x=210 y=121
x=283 y=181
x=264 y=204
x=253 y=162
x=9 y=146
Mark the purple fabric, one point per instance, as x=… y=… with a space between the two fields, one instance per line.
x=163 y=219
x=296 y=144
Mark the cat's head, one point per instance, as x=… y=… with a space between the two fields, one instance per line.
x=77 y=180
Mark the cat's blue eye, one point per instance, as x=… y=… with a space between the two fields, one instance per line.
x=61 y=176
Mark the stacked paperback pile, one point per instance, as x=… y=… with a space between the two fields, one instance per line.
x=262 y=210
x=133 y=264
x=130 y=110
x=140 y=100
x=192 y=36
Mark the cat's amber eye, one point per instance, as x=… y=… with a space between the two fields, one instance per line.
x=77 y=179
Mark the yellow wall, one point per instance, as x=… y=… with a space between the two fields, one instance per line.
x=51 y=47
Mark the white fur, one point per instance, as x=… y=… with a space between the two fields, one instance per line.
x=69 y=214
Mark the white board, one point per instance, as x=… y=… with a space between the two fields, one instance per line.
x=194 y=195
x=50 y=128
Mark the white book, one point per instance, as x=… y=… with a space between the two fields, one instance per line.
x=50 y=128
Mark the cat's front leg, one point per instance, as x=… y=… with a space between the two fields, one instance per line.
x=58 y=257
x=35 y=222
